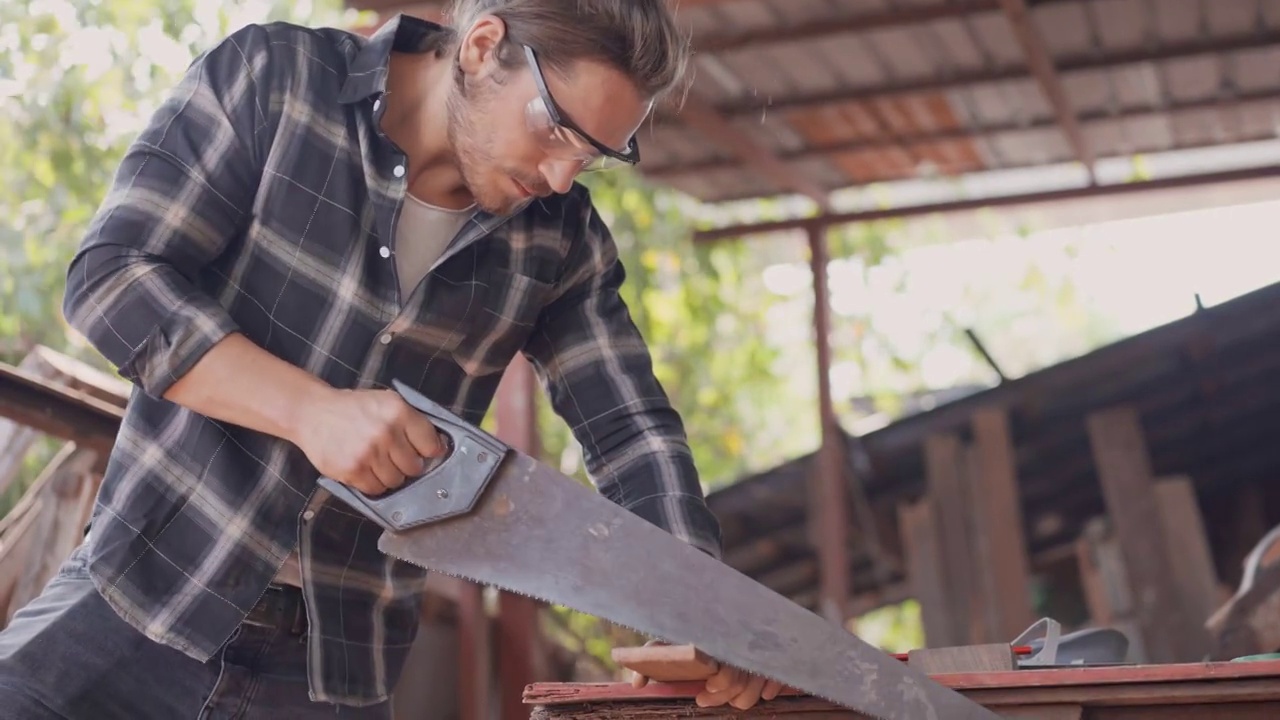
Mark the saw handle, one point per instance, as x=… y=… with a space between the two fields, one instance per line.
x=448 y=489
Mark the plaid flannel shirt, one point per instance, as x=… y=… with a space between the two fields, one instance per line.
x=261 y=199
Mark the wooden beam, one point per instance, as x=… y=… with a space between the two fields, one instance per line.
x=944 y=462
x=829 y=503
x=1187 y=545
x=520 y=660
x=826 y=27
x=1196 y=46
x=1124 y=471
x=1241 y=691
x=1000 y=523
x=716 y=128
x=1076 y=193
x=59 y=411
x=475 y=654
x=1046 y=75
x=926 y=573
x=922 y=140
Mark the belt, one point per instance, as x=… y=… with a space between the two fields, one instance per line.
x=280 y=607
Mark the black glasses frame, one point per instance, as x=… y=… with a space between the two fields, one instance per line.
x=630 y=156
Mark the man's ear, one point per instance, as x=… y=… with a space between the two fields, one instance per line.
x=478 y=49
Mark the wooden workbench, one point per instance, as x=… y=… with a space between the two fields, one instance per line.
x=1211 y=691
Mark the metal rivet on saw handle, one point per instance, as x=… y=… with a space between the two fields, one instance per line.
x=482 y=457
x=442 y=493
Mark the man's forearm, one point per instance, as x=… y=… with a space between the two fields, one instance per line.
x=238 y=382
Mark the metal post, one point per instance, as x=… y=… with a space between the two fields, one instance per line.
x=828 y=494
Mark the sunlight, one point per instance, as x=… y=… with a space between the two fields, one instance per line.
x=1132 y=274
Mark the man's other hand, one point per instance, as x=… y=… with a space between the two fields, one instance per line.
x=371 y=440
x=728 y=685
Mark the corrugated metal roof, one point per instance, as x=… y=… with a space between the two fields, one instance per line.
x=953 y=93
x=853 y=92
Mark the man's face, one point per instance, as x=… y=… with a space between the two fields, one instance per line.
x=509 y=151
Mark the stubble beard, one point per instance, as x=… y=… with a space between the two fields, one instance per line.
x=471 y=141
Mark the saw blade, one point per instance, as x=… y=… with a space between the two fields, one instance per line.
x=538 y=533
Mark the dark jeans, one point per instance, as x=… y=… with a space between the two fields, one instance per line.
x=68 y=656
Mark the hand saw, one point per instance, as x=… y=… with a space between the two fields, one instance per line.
x=493 y=515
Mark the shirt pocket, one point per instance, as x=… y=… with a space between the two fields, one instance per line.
x=501 y=323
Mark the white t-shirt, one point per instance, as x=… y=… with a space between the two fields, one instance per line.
x=422 y=234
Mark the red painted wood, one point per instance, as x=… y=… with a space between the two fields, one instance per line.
x=558 y=693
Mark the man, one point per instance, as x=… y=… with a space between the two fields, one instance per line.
x=307 y=217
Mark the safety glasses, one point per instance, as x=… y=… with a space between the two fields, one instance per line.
x=559 y=136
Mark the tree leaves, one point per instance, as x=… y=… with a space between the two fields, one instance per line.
x=78 y=78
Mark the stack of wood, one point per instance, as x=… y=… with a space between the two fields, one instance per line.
x=986 y=674
x=47 y=522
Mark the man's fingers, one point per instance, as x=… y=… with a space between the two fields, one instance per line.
x=366 y=482
x=386 y=472
x=638 y=680
x=771 y=690
x=707 y=698
x=423 y=436
x=406 y=459
x=721 y=680
x=750 y=695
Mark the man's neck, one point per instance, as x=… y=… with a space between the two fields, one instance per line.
x=416 y=120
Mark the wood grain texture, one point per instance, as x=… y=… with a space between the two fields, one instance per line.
x=965 y=659
x=667 y=663
x=1255 y=677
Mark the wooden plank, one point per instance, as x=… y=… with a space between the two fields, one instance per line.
x=1087 y=681
x=925 y=573
x=1198 y=699
x=59 y=411
x=63 y=371
x=944 y=469
x=1106 y=585
x=1187 y=545
x=1124 y=470
x=667 y=663
x=1187 y=691
x=1198 y=711
x=475 y=655
x=1064 y=711
x=999 y=525
x=520 y=656
x=990 y=657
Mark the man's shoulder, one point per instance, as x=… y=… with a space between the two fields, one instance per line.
x=281 y=49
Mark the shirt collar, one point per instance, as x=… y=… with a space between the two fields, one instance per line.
x=367 y=74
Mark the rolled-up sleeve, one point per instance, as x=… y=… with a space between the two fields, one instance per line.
x=598 y=373
x=181 y=196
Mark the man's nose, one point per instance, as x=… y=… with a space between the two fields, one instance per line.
x=560 y=173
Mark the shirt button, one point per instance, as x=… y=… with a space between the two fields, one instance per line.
x=385 y=339
x=398 y=171
x=308 y=514
x=384 y=251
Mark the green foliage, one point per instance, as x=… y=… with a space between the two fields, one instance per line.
x=78 y=78
x=893 y=628
x=703 y=311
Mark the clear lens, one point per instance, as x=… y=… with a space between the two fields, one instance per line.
x=563 y=142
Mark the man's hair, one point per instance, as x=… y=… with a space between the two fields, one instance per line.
x=637 y=37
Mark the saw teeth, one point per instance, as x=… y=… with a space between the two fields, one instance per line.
x=638 y=631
